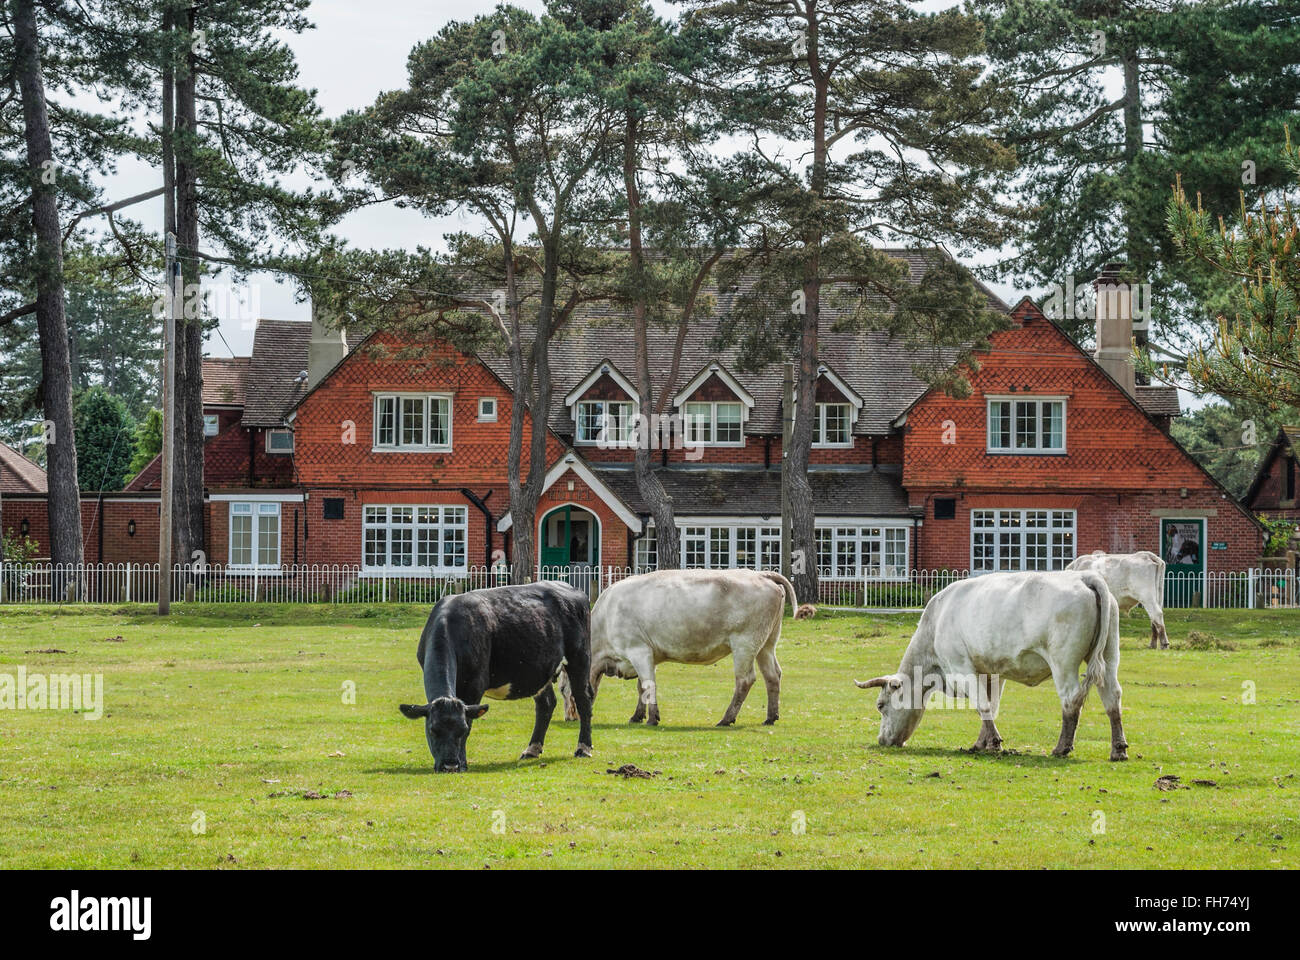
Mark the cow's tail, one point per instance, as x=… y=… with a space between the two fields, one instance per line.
x=1095 y=674
x=789 y=587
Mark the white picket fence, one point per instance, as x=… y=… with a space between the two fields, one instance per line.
x=341 y=583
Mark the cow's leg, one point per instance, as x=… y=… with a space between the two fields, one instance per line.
x=1110 y=692
x=744 y=680
x=566 y=694
x=577 y=655
x=987 y=699
x=771 y=670
x=1072 y=695
x=639 y=713
x=647 y=690
x=545 y=703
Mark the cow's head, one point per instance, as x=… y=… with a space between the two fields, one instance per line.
x=900 y=707
x=446 y=727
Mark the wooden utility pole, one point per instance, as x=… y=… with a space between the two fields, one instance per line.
x=787 y=431
x=173 y=282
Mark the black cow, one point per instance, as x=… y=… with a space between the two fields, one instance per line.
x=506 y=643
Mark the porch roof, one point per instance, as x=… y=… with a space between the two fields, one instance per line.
x=746 y=491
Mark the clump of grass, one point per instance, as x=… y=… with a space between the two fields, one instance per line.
x=1203 y=640
x=1272 y=642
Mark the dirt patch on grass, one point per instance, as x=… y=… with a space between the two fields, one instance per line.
x=1203 y=640
x=630 y=771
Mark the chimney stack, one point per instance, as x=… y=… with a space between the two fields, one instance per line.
x=327 y=347
x=1114 y=311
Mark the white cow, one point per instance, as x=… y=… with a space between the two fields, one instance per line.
x=976 y=634
x=691 y=616
x=1134 y=578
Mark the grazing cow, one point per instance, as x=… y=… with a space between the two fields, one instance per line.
x=506 y=643
x=805 y=611
x=691 y=616
x=976 y=634
x=1134 y=578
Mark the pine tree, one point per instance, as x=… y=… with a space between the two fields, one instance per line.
x=1203 y=90
x=1254 y=354
x=895 y=125
x=502 y=119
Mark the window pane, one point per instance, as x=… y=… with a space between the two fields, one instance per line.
x=824 y=541
x=385 y=420
x=453 y=546
x=719 y=547
x=241 y=537
x=1026 y=425
x=413 y=421
x=693 y=541
x=1000 y=425
x=1054 y=425
x=728 y=422
x=439 y=421
x=699 y=428
x=836 y=419
x=268 y=538
x=590 y=414
x=746 y=554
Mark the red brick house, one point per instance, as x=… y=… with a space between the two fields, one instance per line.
x=330 y=451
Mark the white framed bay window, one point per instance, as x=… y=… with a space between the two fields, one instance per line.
x=254 y=535
x=1003 y=540
x=853 y=552
x=412 y=422
x=411 y=538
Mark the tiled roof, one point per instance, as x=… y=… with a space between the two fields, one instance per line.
x=276 y=371
x=699 y=491
x=18 y=474
x=224 y=380
x=878 y=367
x=1159 y=401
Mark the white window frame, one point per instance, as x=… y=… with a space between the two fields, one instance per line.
x=1039 y=403
x=601 y=439
x=819 y=425
x=397 y=446
x=391 y=523
x=690 y=423
x=854 y=534
x=255 y=510
x=483 y=415
x=278 y=432
x=1013 y=522
x=213 y=419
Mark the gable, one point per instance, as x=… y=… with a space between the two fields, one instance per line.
x=1111 y=444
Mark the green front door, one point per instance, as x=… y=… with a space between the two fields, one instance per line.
x=569 y=538
x=1182 y=547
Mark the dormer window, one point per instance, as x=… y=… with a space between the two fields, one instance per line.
x=831 y=425
x=713 y=424
x=604 y=422
x=1026 y=425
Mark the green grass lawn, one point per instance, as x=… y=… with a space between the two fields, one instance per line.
x=229 y=718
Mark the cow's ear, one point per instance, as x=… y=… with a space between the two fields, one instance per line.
x=414 y=711
x=474 y=711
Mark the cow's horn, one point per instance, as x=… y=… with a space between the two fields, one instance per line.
x=874 y=682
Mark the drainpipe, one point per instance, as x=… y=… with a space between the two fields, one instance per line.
x=481 y=503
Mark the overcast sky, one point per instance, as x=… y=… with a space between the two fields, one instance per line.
x=357 y=50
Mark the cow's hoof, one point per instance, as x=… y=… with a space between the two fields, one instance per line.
x=1058 y=752
x=635 y=719
x=724 y=722
x=583 y=750
x=531 y=752
x=652 y=722
x=770 y=720
x=1120 y=754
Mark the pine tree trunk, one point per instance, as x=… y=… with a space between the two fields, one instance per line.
x=1133 y=139
x=64 y=500
x=803 y=518
x=647 y=481
x=188 y=426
